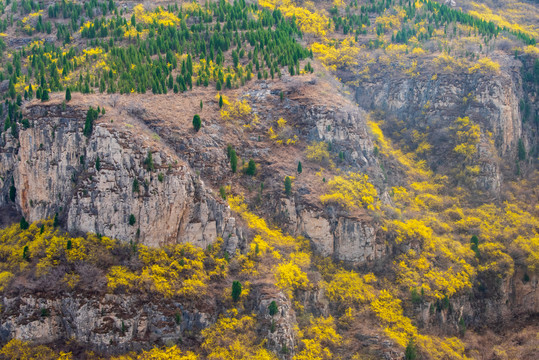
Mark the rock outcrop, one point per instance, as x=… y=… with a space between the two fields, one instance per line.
x=109 y=323
x=106 y=183
x=431 y=102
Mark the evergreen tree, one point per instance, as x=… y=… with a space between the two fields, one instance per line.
x=251 y=168
x=148 y=162
x=197 y=123
x=68 y=94
x=25 y=250
x=12 y=193
x=24 y=224
x=12 y=92
x=220 y=101
x=273 y=309
x=45 y=95
x=300 y=169
x=91 y=116
x=233 y=160
x=287 y=186
x=474 y=241
x=236 y=290
x=411 y=351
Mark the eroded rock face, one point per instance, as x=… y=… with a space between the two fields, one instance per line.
x=56 y=170
x=502 y=302
x=431 y=104
x=343 y=237
x=346 y=239
x=281 y=336
x=111 y=323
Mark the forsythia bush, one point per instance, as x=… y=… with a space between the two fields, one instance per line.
x=318 y=151
x=309 y=22
x=349 y=288
x=158 y=16
x=485 y=65
x=351 y=191
x=531 y=249
x=290 y=277
x=389 y=311
x=273 y=237
x=233 y=337
x=467 y=135
x=239 y=110
x=171 y=353
x=17 y=349
x=319 y=336
x=336 y=55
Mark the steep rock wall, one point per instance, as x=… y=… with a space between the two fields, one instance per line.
x=53 y=168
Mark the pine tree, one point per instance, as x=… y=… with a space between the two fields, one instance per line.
x=287 y=186
x=45 y=95
x=24 y=224
x=300 y=169
x=236 y=290
x=220 y=101
x=68 y=94
x=197 y=123
x=411 y=351
x=12 y=92
x=273 y=309
x=251 y=168
x=233 y=160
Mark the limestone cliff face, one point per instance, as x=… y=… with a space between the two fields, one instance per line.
x=54 y=169
x=109 y=323
x=432 y=101
x=507 y=301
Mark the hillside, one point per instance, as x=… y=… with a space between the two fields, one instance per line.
x=269 y=179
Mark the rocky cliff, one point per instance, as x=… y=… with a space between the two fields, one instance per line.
x=172 y=203
x=430 y=101
x=97 y=183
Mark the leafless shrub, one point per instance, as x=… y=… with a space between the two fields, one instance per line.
x=113 y=100
x=504 y=45
x=91 y=278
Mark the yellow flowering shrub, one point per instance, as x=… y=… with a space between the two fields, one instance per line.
x=337 y=54
x=530 y=247
x=409 y=230
x=309 y=22
x=165 y=353
x=349 y=288
x=318 y=151
x=122 y=277
x=320 y=335
x=17 y=349
x=159 y=16
x=396 y=326
x=289 y=277
x=5 y=278
x=467 y=135
x=485 y=65
x=233 y=337
x=239 y=112
x=351 y=191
